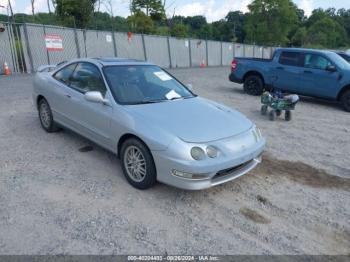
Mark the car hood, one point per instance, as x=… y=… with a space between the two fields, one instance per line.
x=193 y=120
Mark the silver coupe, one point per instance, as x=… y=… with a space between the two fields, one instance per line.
x=158 y=127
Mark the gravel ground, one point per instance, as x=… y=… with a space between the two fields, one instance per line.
x=56 y=198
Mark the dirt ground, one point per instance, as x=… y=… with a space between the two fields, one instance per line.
x=61 y=194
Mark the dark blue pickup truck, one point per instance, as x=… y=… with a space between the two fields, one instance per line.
x=308 y=72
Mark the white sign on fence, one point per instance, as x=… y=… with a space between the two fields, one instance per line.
x=109 y=38
x=53 y=42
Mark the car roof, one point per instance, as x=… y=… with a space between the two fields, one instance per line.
x=304 y=50
x=110 y=61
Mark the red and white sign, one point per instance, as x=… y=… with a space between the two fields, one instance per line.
x=53 y=42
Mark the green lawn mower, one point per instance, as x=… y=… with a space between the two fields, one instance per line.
x=278 y=103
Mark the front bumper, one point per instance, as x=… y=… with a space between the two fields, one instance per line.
x=217 y=171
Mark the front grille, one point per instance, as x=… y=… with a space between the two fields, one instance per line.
x=230 y=170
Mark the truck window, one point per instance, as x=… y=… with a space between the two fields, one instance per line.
x=315 y=61
x=290 y=58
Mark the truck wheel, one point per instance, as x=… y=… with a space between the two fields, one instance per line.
x=263 y=110
x=272 y=115
x=253 y=85
x=288 y=115
x=345 y=100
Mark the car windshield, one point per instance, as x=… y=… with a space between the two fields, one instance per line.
x=141 y=84
x=338 y=60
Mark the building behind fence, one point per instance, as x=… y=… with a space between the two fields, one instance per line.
x=24 y=48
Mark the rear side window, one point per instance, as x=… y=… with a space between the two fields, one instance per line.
x=290 y=58
x=65 y=73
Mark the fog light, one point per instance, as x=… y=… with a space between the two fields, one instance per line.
x=188 y=175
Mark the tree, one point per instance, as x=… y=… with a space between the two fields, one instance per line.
x=139 y=22
x=299 y=38
x=72 y=12
x=152 y=8
x=179 y=30
x=270 y=21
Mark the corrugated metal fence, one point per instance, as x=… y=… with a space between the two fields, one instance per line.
x=24 y=47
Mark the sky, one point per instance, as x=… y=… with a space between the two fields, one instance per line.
x=213 y=10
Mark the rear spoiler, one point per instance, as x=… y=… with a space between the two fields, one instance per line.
x=49 y=68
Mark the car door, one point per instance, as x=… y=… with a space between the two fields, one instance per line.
x=90 y=119
x=316 y=80
x=59 y=95
x=287 y=71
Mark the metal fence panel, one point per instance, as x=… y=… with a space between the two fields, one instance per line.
x=258 y=51
x=68 y=41
x=239 y=50
x=198 y=52
x=179 y=52
x=99 y=44
x=227 y=53
x=267 y=52
x=214 y=53
x=248 y=50
x=129 y=48
x=25 y=49
x=7 y=49
x=157 y=50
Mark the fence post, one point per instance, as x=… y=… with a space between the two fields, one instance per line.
x=28 y=48
x=114 y=45
x=243 y=50
x=47 y=51
x=190 y=51
x=221 y=51
x=76 y=41
x=169 y=51
x=144 y=46
x=206 y=51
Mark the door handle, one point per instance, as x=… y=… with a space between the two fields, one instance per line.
x=67 y=95
x=307 y=72
x=280 y=68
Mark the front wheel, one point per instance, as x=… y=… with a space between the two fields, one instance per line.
x=272 y=115
x=288 y=115
x=263 y=110
x=253 y=85
x=45 y=116
x=345 y=100
x=137 y=164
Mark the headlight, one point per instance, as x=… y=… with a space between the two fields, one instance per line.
x=197 y=153
x=257 y=133
x=212 y=152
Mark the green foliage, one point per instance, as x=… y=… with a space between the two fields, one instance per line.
x=75 y=13
x=270 y=21
x=139 y=22
x=152 y=8
x=179 y=30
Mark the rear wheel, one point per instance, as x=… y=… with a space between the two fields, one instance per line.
x=137 y=164
x=253 y=85
x=45 y=116
x=345 y=100
x=278 y=112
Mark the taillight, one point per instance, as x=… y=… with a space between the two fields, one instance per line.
x=234 y=64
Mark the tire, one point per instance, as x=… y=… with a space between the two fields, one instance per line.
x=45 y=116
x=137 y=164
x=272 y=115
x=288 y=115
x=345 y=100
x=263 y=110
x=253 y=85
x=278 y=112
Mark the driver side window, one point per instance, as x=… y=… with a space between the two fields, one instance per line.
x=315 y=61
x=87 y=77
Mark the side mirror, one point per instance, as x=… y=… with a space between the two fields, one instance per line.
x=95 y=97
x=190 y=87
x=331 y=68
